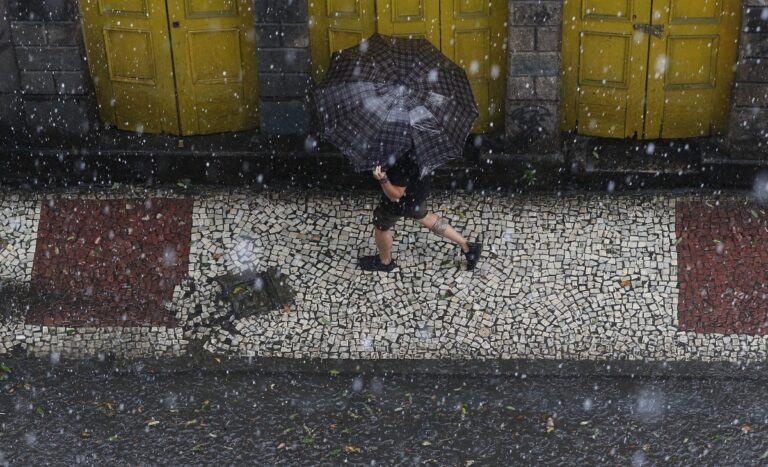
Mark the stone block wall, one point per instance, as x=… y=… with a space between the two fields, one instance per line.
x=534 y=41
x=11 y=121
x=748 y=128
x=53 y=87
x=283 y=59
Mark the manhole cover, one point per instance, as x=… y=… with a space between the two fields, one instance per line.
x=252 y=292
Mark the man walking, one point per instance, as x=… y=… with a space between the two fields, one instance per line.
x=404 y=195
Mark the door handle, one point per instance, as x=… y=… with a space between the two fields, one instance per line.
x=655 y=29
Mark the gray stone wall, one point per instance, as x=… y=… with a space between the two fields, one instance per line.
x=533 y=76
x=748 y=128
x=52 y=85
x=11 y=121
x=282 y=41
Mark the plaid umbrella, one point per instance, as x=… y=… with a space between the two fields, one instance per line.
x=387 y=93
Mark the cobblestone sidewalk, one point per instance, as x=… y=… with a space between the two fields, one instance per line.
x=657 y=276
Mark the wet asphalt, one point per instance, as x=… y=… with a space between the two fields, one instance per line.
x=56 y=412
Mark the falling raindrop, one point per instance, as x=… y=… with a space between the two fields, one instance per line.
x=169 y=256
x=760 y=188
x=357 y=384
x=310 y=143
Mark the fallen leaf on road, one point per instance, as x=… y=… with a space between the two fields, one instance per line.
x=85 y=435
x=426 y=443
x=550 y=425
x=112 y=438
x=189 y=423
x=625 y=283
x=745 y=428
x=107 y=408
x=281 y=446
x=40 y=411
x=334 y=372
x=351 y=449
x=152 y=422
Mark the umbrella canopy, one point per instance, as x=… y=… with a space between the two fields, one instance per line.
x=386 y=94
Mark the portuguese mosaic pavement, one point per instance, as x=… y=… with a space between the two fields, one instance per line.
x=135 y=272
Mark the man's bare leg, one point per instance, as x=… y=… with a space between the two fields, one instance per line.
x=384 y=239
x=448 y=232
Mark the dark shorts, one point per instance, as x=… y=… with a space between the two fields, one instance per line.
x=383 y=219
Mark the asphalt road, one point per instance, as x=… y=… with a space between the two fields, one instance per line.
x=134 y=413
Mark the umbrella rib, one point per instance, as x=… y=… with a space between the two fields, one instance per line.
x=386 y=118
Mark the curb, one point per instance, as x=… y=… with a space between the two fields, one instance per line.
x=518 y=369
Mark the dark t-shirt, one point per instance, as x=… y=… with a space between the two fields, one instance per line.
x=405 y=173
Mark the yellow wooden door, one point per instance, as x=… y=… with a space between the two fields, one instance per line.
x=335 y=25
x=473 y=35
x=648 y=68
x=410 y=18
x=691 y=67
x=129 y=56
x=605 y=64
x=178 y=67
x=214 y=54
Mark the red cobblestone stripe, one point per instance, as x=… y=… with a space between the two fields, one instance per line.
x=722 y=258
x=110 y=263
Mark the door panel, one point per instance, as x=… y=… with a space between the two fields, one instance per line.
x=410 y=18
x=605 y=62
x=129 y=57
x=215 y=68
x=472 y=34
x=689 y=84
x=689 y=47
x=335 y=25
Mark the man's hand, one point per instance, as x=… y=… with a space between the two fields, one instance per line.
x=378 y=174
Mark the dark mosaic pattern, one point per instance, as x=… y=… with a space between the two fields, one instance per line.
x=722 y=258
x=110 y=263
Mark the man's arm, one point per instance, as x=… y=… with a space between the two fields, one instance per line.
x=393 y=192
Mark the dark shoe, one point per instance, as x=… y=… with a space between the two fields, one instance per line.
x=473 y=255
x=373 y=263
